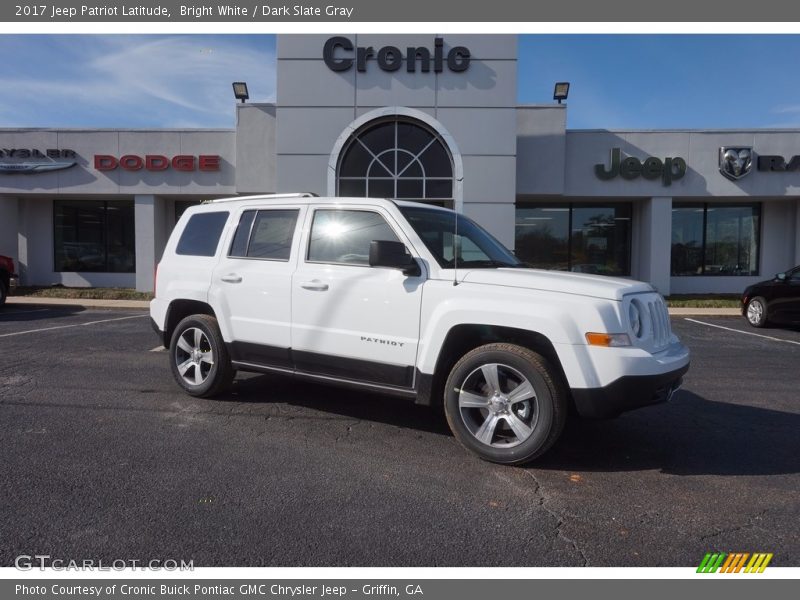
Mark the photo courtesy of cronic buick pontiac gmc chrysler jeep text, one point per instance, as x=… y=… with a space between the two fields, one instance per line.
x=412 y=300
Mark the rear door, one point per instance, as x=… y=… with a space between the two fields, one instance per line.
x=252 y=284
x=351 y=320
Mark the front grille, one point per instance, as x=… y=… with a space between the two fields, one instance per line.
x=659 y=321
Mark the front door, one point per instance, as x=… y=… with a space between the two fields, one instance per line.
x=350 y=320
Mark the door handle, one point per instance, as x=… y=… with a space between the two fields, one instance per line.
x=232 y=278
x=315 y=285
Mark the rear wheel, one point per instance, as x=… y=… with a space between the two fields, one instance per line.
x=505 y=403
x=756 y=312
x=199 y=358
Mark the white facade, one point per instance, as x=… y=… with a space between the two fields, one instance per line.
x=509 y=167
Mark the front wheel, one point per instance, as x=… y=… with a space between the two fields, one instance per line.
x=199 y=358
x=756 y=312
x=505 y=403
x=3 y=292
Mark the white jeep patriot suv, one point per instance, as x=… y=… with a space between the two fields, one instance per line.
x=412 y=300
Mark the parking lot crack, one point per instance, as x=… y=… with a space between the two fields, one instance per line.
x=560 y=519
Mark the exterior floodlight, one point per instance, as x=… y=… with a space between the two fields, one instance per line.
x=240 y=90
x=561 y=91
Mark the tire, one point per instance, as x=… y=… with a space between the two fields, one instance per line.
x=199 y=358
x=756 y=312
x=498 y=427
x=3 y=292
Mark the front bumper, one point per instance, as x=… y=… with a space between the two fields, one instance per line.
x=627 y=393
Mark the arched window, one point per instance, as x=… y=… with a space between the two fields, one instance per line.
x=396 y=158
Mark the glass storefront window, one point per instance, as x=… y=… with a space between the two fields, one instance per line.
x=711 y=239
x=94 y=236
x=396 y=158
x=687 y=240
x=583 y=238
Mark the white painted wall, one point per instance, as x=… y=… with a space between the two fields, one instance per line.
x=476 y=107
x=654 y=243
x=151 y=235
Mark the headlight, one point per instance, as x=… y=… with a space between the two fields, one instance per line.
x=635 y=318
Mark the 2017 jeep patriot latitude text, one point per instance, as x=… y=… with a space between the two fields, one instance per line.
x=412 y=300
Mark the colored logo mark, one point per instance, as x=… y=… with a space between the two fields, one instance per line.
x=734 y=562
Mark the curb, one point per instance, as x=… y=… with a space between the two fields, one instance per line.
x=144 y=304
x=80 y=302
x=704 y=312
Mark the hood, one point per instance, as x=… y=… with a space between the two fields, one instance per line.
x=595 y=286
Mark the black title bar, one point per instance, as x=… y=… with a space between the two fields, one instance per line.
x=464 y=11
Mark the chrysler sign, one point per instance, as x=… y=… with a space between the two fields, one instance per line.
x=32 y=160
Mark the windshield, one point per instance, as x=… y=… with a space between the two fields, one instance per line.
x=473 y=246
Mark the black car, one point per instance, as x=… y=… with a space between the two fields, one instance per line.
x=774 y=301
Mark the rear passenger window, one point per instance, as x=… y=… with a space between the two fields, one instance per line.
x=265 y=234
x=201 y=234
x=343 y=236
x=242 y=235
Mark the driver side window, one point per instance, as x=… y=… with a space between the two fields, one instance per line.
x=344 y=236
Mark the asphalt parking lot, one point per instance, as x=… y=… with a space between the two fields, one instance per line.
x=104 y=458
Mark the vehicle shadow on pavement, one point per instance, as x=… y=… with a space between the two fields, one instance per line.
x=20 y=313
x=355 y=404
x=690 y=436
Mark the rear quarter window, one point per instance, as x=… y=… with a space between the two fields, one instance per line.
x=201 y=235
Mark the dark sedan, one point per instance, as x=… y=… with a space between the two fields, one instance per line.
x=773 y=301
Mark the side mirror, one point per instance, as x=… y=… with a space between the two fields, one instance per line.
x=392 y=255
x=781 y=276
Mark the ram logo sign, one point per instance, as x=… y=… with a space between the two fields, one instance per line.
x=735 y=162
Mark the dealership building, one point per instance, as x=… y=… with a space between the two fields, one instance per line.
x=421 y=117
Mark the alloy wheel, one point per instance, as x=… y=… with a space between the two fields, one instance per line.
x=194 y=357
x=498 y=405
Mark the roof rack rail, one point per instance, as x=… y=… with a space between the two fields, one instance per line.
x=263 y=197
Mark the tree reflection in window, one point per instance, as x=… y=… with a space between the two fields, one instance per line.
x=398 y=158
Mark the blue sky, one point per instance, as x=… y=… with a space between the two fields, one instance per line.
x=618 y=81
x=662 y=81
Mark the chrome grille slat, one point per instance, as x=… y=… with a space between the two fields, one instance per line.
x=655 y=316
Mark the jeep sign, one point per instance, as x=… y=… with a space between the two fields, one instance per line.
x=630 y=167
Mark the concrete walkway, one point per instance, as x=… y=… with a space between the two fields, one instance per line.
x=82 y=302
x=144 y=304
x=705 y=312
